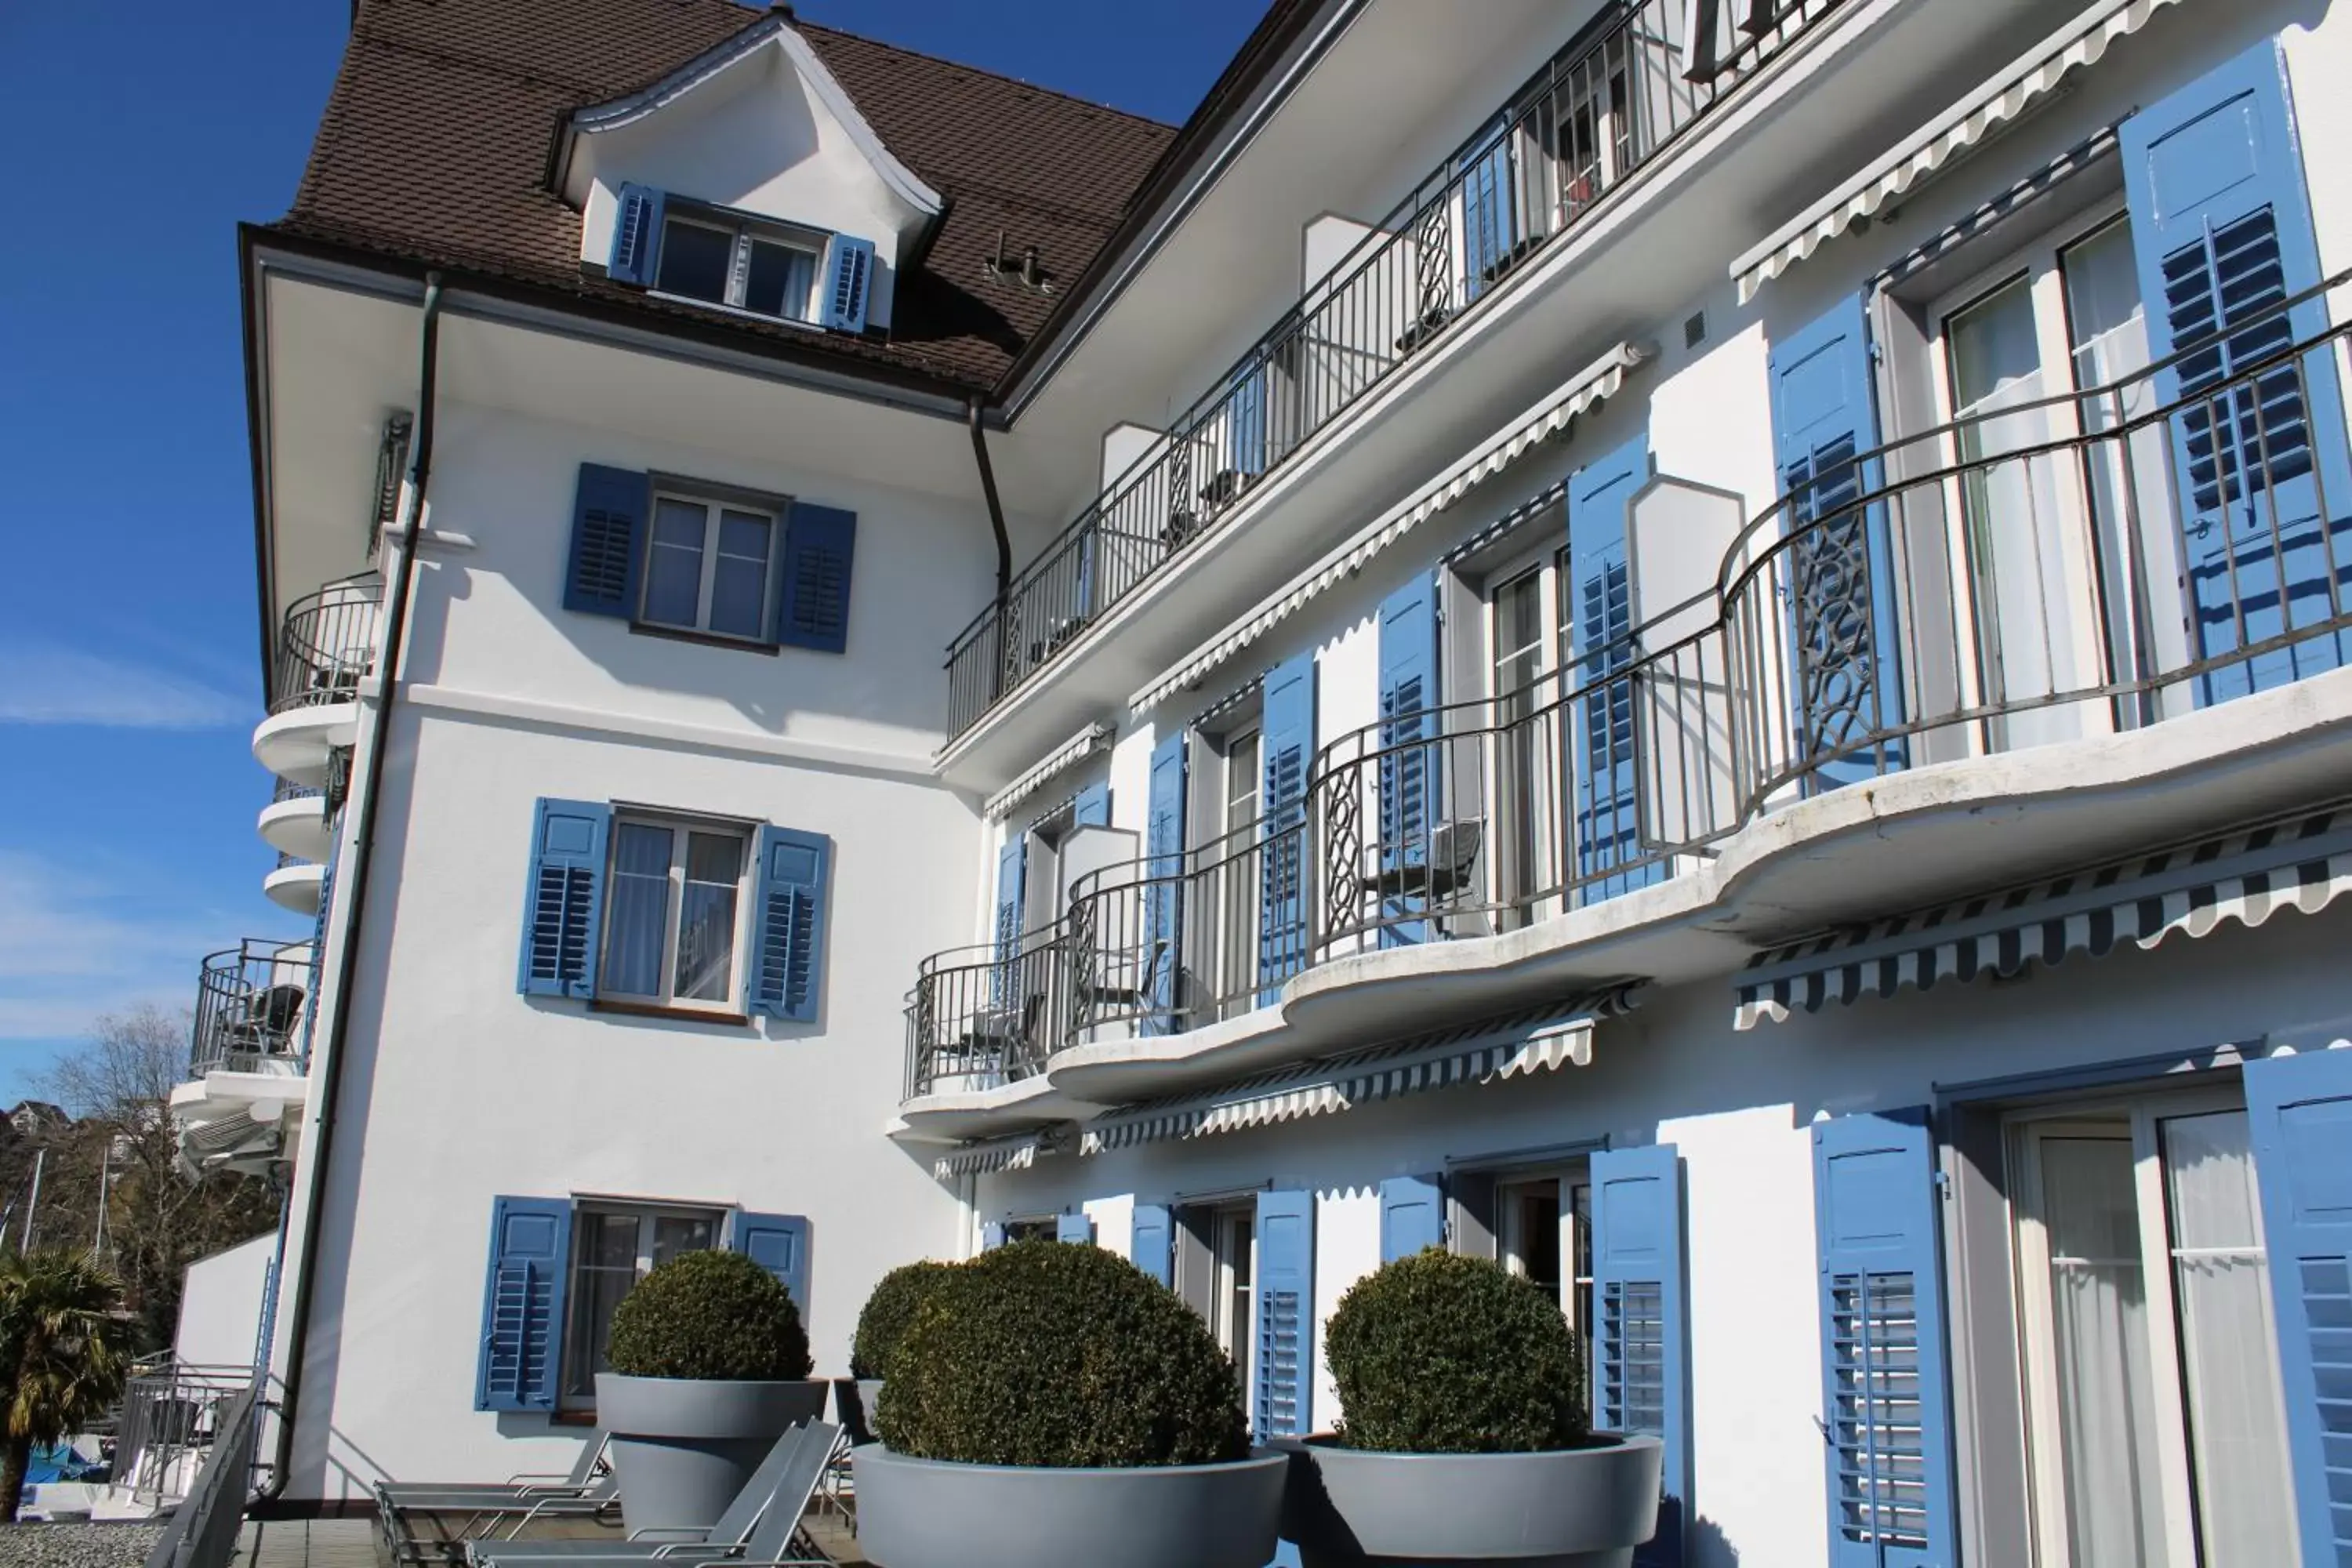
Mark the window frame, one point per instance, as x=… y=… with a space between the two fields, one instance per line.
x=1546 y=563
x=648 y=1214
x=680 y=826
x=744 y=229
x=715 y=502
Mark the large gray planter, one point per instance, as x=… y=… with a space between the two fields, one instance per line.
x=682 y=1447
x=1576 y=1508
x=922 y=1513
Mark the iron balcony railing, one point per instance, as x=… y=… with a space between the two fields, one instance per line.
x=286 y=789
x=205 y=1528
x=2046 y=569
x=326 y=645
x=982 y=1017
x=1623 y=91
x=173 y=1415
x=250 y=1007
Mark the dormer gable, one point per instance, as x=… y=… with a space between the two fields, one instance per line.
x=747 y=180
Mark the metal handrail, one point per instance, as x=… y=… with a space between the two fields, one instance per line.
x=986 y=1015
x=1603 y=108
x=250 y=1006
x=326 y=645
x=206 y=1527
x=2020 y=576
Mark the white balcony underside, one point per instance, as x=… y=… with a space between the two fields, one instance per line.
x=297 y=827
x=297 y=743
x=239 y=1120
x=297 y=886
x=1902 y=842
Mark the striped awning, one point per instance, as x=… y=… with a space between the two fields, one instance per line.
x=1536 y=1040
x=984 y=1159
x=1093 y=738
x=1596 y=382
x=2003 y=98
x=2299 y=863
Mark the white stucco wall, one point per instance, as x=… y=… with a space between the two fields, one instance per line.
x=220 y=1304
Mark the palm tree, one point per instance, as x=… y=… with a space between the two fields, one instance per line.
x=64 y=1349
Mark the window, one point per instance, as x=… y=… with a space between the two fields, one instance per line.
x=1233 y=1243
x=709 y=568
x=673 y=930
x=1237 y=868
x=2155 y=1430
x=613 y=1247
x=1543 y=1233
x=723 y=260
x=1530 y=624
x=1045 y=1227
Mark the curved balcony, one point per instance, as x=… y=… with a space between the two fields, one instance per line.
x=981 y=1022
x=297 y=886
x=295 y=821
x=246 y=1062
x=1999 y=610
x=326 y=648
x=1623 y=91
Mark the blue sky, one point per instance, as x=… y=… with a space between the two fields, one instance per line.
x=129 y=668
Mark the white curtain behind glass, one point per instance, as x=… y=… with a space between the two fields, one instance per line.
x=2099 y=1315
x=2237 y=1426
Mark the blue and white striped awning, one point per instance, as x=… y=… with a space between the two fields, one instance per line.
x=2302 y=862
x=1493 y=1048
x=995 y=1154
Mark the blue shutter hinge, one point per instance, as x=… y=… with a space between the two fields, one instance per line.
x=1877 y=351
x=1943 y=1183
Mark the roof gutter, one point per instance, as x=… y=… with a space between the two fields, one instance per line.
x=1269 y=68
x=403 y=538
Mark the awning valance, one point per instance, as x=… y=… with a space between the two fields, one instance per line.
x=2004 y=97
x=2301 y=863
x=996 y=1154
x=1536 y=1040
x=1068 y=755
x=1595 y=383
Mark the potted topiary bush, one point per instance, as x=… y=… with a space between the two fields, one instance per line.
x=1463 y=1433
x=880 y=1326
x=710 y=1365
x=1050 y=1402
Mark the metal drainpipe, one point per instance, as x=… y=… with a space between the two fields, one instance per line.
x=1003 y=541
x=420 y=470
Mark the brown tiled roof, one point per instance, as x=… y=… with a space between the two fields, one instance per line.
x=437 y=140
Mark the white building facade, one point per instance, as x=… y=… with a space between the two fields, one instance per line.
x=1692 y=646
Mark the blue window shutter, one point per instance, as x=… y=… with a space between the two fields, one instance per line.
x=787 y=970
x=523 y=1304
x=848 y=279
x=1884 y=1363
x=564 y=900
x=1288 y=744
x=1409 y=777
x=1825 y=423
x=2221 y=228
x=1075 y=1228
x=1604 y=764
x=991 y=1235
x=1246 y=416
x=636 y=237
x=778 y=1243
x=1152 y=1246
x=608 y=526
x=813 y=611
x=1640 y=1304
x=1412 y=1216
x=1488 y=213
x=1092 y=808
x=1163 y=899
x=1011 y=886
x=2301 y=1111
x=1286 y=1315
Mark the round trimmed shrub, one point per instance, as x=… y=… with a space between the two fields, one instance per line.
x=1051 y=1355
x=887 y=1312
x=712 y=1315
x=1441 y=1354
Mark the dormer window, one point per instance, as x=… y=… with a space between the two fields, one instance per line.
x=722 y=258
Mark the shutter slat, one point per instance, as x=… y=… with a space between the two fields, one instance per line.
x=1288 y=739
x=788 y=945
x=820 y=548
x=1409 y=781
x=636 y=237
x=1608 y=782
x=563 y=898
x=848 y=280
x=519 y=1365
x=778 y=1243
x=1641 y=1340
x=1412 y=1216
x=1151 y=1245
x=1882 y=1350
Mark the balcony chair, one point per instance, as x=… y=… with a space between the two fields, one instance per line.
x=1453 y=857
x=265 y=1025
x=760 y=1529
x=999 y=1036
x=1110 y=990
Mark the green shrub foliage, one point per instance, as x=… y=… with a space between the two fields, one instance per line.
x=1441 y=1354
x=888 y=1311
x=709 y=1315
x=1054 y=1355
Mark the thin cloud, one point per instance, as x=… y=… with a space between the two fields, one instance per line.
x=47 y=683
x=71 y=948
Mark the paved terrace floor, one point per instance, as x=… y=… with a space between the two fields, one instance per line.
x=358 y=1544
